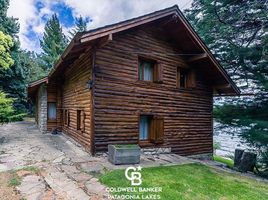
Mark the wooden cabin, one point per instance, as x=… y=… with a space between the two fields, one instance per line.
x=148 y=81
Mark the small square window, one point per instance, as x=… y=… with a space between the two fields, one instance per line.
x=146 y=70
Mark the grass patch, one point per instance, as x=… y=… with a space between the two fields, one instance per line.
x=191 y=181
x=14 y=182
x=228 y=162
x=95 y=174
x=127 y=146
x=30 y=169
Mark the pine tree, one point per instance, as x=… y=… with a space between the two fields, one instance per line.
x=237 y=34
x=80 y=26
x=5 y=44
x=53 y=43
x=13 y=80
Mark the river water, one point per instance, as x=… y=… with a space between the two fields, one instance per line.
x=228 y=139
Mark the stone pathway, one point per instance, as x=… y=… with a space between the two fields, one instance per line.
x=66 y=171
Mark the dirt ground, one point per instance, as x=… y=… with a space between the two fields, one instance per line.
x=7 y=192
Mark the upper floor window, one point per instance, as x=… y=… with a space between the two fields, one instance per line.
x=185 y=78
x=146 y=69
x=52 y=111
x=150 y=70
x=181 y=78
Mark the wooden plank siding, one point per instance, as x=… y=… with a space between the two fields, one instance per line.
x=70 y=93
x=120 y=97
x=76 y=96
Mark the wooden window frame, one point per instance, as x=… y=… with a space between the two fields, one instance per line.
x=157 y=71
x=189 y=80
x=151 y=117
x=51 y=120
x=80 y=120
x=65 y=117
x=141 y=73
x=179 y=72
x=68 y=118
x=153 y=135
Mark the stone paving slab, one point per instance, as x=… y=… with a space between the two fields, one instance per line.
x=32 y=187
x=67 y=171
x=64 y=186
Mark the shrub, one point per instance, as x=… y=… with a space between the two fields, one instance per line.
x=7 y=113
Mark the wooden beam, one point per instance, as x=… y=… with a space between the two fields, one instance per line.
x=222 y=87
x=127 y=24
x=105 y=40
x=197 y=57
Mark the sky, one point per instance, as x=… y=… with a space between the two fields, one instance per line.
x=33 y=14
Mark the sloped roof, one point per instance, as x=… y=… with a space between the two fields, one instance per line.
x=85 y=40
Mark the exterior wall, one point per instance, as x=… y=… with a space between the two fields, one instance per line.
x=120 y=98
x=42 y=108
x=75 y=96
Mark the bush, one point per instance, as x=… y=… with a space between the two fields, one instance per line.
x=7 y=113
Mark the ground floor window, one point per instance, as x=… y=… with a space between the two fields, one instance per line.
x=145 y=122
x=151 y=128
x=65 y=117
x=80 y=120
x=52 y=111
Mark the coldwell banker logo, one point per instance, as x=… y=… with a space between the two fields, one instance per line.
x=134 y=175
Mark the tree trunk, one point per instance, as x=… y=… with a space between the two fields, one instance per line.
x=244 y=161
x=248 y=162
x=237 y=157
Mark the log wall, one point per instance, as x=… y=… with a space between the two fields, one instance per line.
x=120 y=97
x=70 y=93
x=76 y=96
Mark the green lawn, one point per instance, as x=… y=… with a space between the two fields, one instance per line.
x=192 y=181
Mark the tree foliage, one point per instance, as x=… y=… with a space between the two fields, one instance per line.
x=7 y=113
x=53 y=43
x=6 y=107
x=237 y=34
x=5 y=44
x=14 y=79
x=80 y=26
x=34 y=63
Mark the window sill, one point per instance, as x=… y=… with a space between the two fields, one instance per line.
x=145 y=143
x=52 y=120
x=149 y=82
x=80 y=131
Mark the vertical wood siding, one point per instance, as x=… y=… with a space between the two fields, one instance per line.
x=120 y=97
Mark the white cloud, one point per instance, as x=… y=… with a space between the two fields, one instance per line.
x=102 y=12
